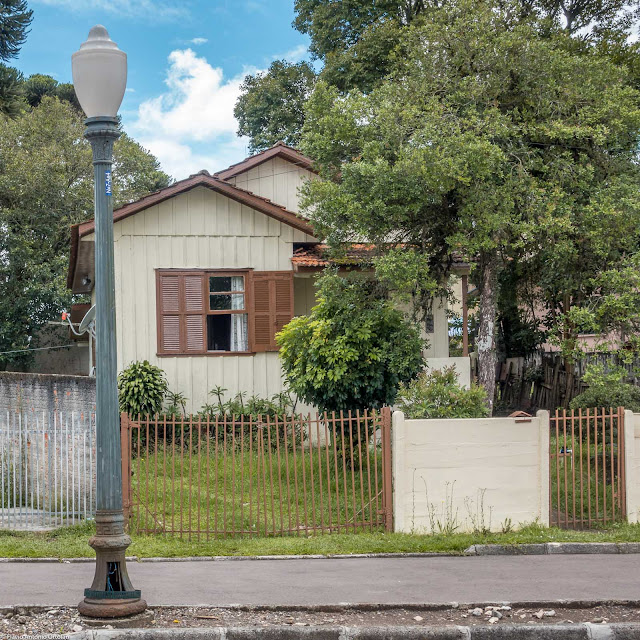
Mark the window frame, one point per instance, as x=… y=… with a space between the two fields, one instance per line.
x=247 y=310
x=206 y=273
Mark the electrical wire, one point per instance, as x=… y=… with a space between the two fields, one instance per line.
x=62 y=346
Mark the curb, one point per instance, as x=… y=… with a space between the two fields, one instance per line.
x=553 y=548
x=342 y=607
x=337 y=556
x=542 y=549
x=585 y=631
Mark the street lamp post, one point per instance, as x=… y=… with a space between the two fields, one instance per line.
x=100 y=77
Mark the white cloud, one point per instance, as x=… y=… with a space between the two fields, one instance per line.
x=128 y=8
x=191 y=126
x=198 y=41
x=293 y=55
x=181 y=160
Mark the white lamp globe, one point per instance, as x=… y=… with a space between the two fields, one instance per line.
x=99 y=71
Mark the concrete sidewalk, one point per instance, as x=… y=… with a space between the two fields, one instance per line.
x=336 y=581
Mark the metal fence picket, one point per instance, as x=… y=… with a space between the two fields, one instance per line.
x=46 y=469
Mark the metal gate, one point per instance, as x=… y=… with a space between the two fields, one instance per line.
x=229 y=476
x=587 y=468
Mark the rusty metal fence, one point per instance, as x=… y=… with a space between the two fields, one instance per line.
x=587 y=468
x=201 y=477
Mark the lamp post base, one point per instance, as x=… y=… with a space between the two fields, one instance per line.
x=111 y=594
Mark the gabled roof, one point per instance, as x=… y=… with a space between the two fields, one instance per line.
x=201 y=179
x=279 y=150
x=204 y=179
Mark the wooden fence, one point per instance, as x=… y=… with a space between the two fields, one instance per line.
x=542 y=381
x=257 y=476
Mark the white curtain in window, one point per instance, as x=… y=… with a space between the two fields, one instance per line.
x=239 y=329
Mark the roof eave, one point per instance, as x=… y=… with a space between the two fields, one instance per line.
x=279 y=150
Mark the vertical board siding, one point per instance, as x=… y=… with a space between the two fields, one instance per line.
x=200 y=229
x=276 y=179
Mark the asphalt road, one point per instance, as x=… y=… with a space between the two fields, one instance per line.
x=335 y=581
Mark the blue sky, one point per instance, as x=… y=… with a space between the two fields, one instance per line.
x=186 y=61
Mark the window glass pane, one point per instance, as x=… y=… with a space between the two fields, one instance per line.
x=219 y=333
x=428 y=323
x=223 y=302
x=239 y=332
x=227 y=332
x=226 y=283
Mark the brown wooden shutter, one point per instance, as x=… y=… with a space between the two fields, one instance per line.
x=168 y=313
x=194 y=308
x=283 y=300
x=272 y=307
x=262 y=322
x=181 y=313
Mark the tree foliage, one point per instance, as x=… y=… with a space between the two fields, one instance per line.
x=352 y=351
x=271 y=105
x=607 y=389
x=38 y=85
x=15 y=18
x=46 y=185
x=463 y=151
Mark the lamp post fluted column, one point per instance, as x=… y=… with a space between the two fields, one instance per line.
x=99 y=70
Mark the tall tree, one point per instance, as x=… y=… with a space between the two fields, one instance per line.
x=271 y=105
x=356 y=42
x=487 y=138
x=15 y=19
x=46 y=184
x=38 y=85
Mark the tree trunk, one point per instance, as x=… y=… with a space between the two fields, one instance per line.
x=487 y=312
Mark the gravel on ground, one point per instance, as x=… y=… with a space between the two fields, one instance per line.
x=27 y=621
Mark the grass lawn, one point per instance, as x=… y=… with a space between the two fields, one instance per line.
x=72 y=542
x=223 y=487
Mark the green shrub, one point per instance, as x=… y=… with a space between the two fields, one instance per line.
x=239 y=415
x=176 y=404
x=142 y=388
x=437 y=394
x=607 y=389
x=353 y=350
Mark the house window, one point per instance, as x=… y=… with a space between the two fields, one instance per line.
x=429 y=326
x=221 y=312
x=227 y=318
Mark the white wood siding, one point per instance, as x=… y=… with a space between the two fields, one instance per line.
x=200 y=229
x=276 y=179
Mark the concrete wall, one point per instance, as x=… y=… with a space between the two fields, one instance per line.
x=73 y=360
x=470 y=473
x=439 y=338
x=46 y=392
x=632 y=464
x=461 y=364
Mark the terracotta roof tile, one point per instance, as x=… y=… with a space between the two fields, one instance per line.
x=317 y=256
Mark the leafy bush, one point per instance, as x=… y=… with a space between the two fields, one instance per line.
x=176 y=404
x=275 y=418
x=141 y=389
x=607 y=389
x=353 y=350
x=437 y=394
